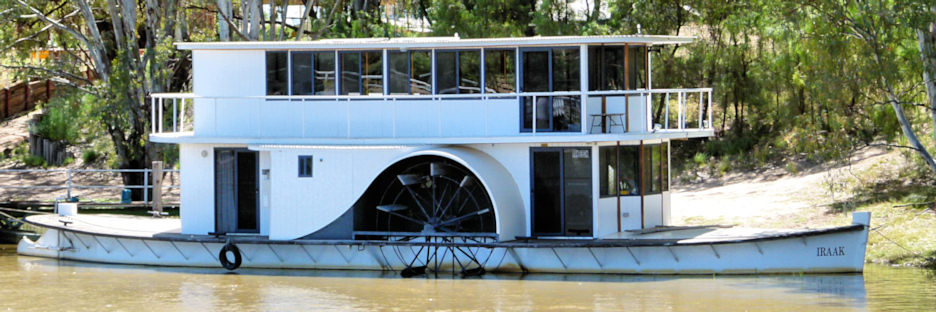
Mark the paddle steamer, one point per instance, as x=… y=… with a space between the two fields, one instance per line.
x=537 y=154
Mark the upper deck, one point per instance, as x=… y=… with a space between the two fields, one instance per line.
x=429 y=91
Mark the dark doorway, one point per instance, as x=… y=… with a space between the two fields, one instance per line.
x=561 y=191
x=236 y=189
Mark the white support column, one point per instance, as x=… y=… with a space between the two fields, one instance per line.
x=483 y=73
x=432 y=60
x=583 y=85
x=649 y=69
x=386 y=73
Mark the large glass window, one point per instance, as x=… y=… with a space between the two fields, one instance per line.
x=301 y=71
x=373 y=72
x=606 y=68
x=277 y=63
x=469 y=72
x=637 y=67
x=617 y=67
x=459 y=72
x=410 y=72
x=551 y=70
x=620 y=172
x=350 y=73
x=446 y=73
x=324 y=76
x=361 y=73
x=565 y=69
x=421 y=72
x=500 y=71
x=399 y=72
x=536 y=71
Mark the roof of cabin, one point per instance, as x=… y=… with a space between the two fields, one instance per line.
x=434 y=42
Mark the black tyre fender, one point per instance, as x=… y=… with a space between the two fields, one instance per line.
x=225 y=262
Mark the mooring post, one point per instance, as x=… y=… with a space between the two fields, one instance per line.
x=157 y=188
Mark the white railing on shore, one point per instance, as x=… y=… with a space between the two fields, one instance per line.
x=182 y=105
x=70 y=176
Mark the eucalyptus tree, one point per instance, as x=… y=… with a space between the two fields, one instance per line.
x=884 y=31
x=123 y=43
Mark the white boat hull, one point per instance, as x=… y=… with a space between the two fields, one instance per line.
x=839 y=249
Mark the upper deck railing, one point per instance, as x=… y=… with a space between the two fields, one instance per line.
x=641 y=111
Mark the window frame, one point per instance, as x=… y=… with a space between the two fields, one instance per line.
x=309 y=162
x=435 y=66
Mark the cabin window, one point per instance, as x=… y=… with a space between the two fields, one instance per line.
x=305 y=166
x=551 y=70
x=301 y=72
x=277 y=63
x=619 y=170
x=656 y=173
x=458 y=72
x=361 y=73
x=499 y=71
x=565 y=69
x=637 y=67
x=399 y=72
x=469 y=72
x=410 y=72
x=324 y=69
x=617 y=67
x=606 y=67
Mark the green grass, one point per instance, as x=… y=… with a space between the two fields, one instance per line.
x=900 y=235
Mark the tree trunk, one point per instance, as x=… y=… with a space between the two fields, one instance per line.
x=224 y=10
x=926 y=38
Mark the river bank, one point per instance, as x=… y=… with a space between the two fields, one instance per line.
x=903 y=222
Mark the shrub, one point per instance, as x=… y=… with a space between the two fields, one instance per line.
x=89 y=156
x=33 y=161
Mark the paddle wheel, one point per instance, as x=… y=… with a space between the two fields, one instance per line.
x=442 y=209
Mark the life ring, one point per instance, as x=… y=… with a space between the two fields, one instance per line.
x=222 y=256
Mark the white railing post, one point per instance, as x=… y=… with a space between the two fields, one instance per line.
x=160 y=115
x=152 y=114
x=182 y=116
x=174 y=116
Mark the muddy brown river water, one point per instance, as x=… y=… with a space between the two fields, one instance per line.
x=49 y=285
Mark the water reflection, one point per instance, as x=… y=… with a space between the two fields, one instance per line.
x=45 y=284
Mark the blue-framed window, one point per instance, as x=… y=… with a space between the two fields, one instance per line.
x=409 y=72
x=500 y=71
x=550 y=70
x=305 y=166
x=300 y=73
x=458 y=71
x=361 y=72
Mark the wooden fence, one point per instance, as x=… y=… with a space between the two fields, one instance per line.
x=24 y=96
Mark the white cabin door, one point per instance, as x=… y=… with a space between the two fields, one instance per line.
x=236 y=190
